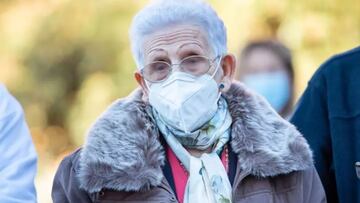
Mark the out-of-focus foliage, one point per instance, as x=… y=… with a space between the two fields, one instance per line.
x=80 y=61
x=67 y=60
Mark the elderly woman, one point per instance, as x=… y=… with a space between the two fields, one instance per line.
x=189 y=134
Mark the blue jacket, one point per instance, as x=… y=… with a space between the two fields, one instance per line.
x=17 y=153
x=328 y=114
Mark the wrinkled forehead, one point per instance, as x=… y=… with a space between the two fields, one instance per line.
x=172 y=38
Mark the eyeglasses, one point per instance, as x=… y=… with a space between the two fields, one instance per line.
x=159 y=71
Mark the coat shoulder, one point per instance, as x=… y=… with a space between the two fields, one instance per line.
x=66 y=186
x=352 y=54
x=342 y=64
x=70 y=163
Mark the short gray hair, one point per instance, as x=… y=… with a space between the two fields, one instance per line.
x=161 y=13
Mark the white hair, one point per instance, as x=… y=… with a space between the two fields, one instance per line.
x=161 y=13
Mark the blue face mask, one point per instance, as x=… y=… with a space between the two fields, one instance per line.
x=275 y=87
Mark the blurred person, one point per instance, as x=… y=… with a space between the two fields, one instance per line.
x=266 y=67
x=18 y=159
x=328 y=114
x=189 y=133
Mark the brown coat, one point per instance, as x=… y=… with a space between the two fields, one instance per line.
x=122 y=158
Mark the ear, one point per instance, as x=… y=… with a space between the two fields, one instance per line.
x=141 y=81
x=228 y=66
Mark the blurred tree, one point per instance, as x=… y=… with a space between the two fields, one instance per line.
x=78 y=39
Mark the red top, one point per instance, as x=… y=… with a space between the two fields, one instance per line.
x=180 y=175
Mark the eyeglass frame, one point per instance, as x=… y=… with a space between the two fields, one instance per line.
x=211 y=63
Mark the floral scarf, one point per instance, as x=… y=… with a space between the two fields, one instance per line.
x=208 y=180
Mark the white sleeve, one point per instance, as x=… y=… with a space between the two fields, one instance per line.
x=18 y=158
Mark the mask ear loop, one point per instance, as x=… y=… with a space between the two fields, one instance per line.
x=217 y=68
x=147 y=85
x=221 y=86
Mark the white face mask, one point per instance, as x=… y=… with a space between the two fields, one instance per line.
x=184 y=101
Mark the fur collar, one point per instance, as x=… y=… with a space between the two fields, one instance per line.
x=123 y=152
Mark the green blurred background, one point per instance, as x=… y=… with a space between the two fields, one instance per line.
x=67 y=60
